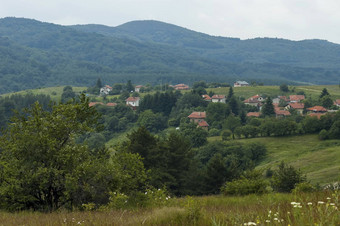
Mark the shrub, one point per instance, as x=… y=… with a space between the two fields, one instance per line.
x=214 y=132
x=286 y=177
x=251 y=182
x=323 y=135
x=226 y=134
x=304 y=187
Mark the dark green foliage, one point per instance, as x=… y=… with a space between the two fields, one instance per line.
x=195 y=134
x=326 y=101
x=129 y=86
x=286 y=177
x=158 y=102
x=234 y=105
x=268 y=108
x=36 y=54
x=58 y=171
x=217 y=112
x=67 y=94
x=225 y=134
x=284 y=88
x=324 y=92
x=151 y=121
x=230 y=94
x=334 y=132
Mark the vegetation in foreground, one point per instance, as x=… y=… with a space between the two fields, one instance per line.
x=318 y=208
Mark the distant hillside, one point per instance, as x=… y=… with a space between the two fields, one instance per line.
x=306 y=53
x=36 y=54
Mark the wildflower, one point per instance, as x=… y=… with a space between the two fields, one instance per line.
x=309 y=203
x=328 y=198
x=79 y=222
x=332 y=204
x=321 y=202
x=267 y=221
x=146 y=192
x=275 y=219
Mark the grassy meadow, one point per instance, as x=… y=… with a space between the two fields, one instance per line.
x=310 y=91
x=54 y=92
x=319 y=160
x=320 y=208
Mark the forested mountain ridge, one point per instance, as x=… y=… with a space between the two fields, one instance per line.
x=305 y=53
x=35 y=54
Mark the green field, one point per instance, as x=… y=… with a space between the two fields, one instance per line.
x=246 y=92
x=54 y=92
x=319 y=160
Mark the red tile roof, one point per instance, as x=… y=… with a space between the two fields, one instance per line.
x=282 y=112
x=297 y=105
x=318 y=115
x=337 y=102
x=91 y=104
x=197 y=115
x=218 y=97
x=253 y=114
x=206 y=97
x=317 y=109
x=111 y=104
x=132 y=99
x=296 y=98
x=284 y=98
x=139 y=86
x=203 y=123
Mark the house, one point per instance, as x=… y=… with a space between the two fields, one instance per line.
x=105 y=90
x=281 y=113
x=199 y=118
x=254 y=101
x=132 y=101
x=206 y=97
x=337 y=102
x=181 y=87
x=296 y=98
x=91 y=104
x=296 y=106
x=111 y=104
x=280 y=98
x=137 y=88
x=317 y=109
x=240 y=83
x=218 y=99
x=254 y=114
x=318 y=115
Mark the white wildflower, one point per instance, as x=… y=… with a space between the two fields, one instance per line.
x=309 y=203
x=321 y=202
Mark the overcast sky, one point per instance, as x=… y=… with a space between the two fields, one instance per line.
x=290 y=19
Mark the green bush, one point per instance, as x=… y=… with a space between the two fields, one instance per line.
x=323 y=135
x=214 y=132
x=251 y=182
x=286 y=177
x=304 y=187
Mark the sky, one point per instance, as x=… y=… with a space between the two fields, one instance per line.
x=245 y=19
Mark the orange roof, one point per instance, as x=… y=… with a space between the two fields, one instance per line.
x=91 y=104
x=253 y=114
x=206 y=97
x=197 y=115
x=111 y=104
x=317 y=109
x=318 y=115
x=218 y=97
x=107 y=86
x=132 y=99
x=297 y=105
x=203 y=123
x=337 y=102
x=284 y=98
x=297 y=98
x=139 y=86
x=282 y=112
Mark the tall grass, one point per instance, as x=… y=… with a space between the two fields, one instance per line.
x=319 y=208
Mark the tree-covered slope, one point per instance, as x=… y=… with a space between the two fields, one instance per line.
x=35 y=54
x=306 y=53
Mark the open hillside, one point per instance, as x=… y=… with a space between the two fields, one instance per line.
x=36 y=54
x=319 y=160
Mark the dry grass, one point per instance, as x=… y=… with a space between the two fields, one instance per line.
x=208 y=210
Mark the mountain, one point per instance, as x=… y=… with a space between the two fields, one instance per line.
x=306 y=53
x=35 y=54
